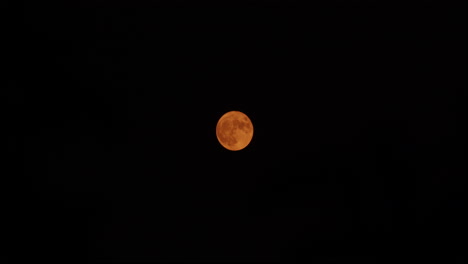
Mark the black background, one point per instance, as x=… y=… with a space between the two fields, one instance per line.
x=358 y=113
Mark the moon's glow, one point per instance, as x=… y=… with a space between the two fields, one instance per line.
x=234 y=130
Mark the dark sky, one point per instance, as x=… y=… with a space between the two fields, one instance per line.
x=358 y=114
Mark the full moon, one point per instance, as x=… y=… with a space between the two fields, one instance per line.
x=234 y=130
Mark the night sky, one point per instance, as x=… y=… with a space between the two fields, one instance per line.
x=359 y=131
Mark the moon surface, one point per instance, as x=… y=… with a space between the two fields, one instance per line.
x=234 y=130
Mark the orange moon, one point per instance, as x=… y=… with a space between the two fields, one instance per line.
x=234 y=130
